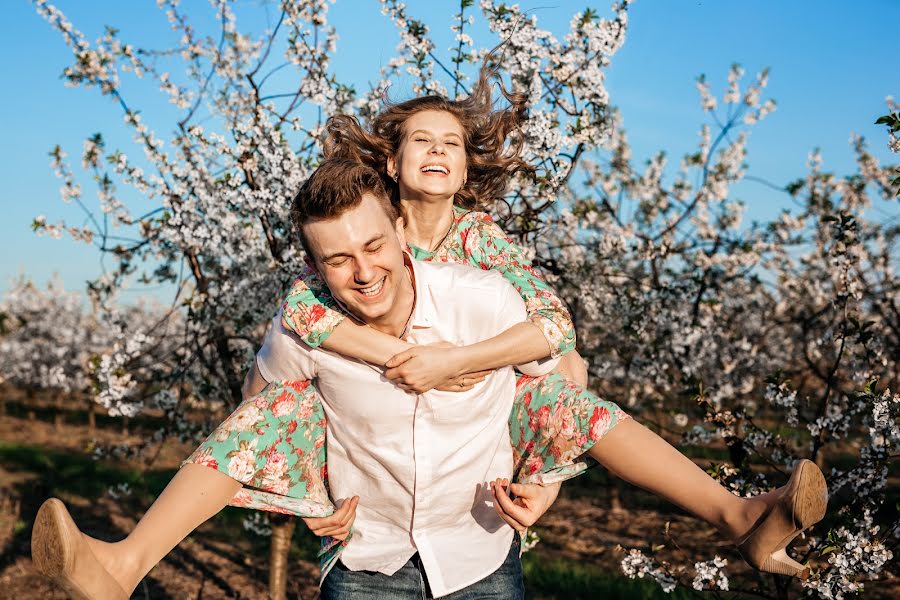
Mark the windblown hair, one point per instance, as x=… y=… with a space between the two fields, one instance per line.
x=490 y=161
x=335 y=187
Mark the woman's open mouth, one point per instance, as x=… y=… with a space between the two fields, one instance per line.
x=435 y=170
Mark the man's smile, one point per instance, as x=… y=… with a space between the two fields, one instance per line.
x=373 y=291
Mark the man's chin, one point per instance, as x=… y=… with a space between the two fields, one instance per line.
x=369 y=312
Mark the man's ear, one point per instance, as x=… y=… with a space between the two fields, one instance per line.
x=399 y=225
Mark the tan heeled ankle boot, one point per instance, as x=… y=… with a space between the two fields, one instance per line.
x=801 y=505
x=60 y=552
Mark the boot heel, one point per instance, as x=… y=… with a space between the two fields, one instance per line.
x=802 y=504
x=781 y=564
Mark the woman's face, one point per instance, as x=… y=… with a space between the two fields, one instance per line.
x=431 y=158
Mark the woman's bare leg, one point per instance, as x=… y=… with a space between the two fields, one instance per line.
x=639 y=456
x=195 y=494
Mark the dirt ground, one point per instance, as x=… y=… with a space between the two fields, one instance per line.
x=221 y=560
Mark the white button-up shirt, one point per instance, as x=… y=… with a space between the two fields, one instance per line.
x=420 y=464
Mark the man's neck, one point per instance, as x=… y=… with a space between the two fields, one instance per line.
x=427 y=220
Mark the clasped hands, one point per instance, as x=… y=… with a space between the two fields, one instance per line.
x=440 y=366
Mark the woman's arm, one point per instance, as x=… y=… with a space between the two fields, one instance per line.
x=549 y=331
x=488 y=247
x=310 y=311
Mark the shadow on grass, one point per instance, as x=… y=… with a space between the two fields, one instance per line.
x=558 y=578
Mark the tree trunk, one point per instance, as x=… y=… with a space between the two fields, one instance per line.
x=615 y=494
x=282 y=531
x=820 y=458
x=125 y=425
x=29 y=401
x=58 y=416
x=91 y=414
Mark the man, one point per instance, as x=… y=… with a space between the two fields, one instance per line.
x=421 y=466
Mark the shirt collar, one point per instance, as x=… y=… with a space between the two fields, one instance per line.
x=424 y=310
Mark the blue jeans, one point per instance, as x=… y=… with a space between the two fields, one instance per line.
x=410 y=582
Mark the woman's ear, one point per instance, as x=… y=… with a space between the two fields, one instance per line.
x=399 y=225
x=392 y=168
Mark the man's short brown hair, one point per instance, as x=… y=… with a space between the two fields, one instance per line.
x=335 y=187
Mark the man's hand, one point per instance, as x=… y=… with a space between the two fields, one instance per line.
x=338 y=524
x=437 y=366
x=530 y=503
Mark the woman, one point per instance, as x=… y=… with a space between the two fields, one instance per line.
x=437 y=152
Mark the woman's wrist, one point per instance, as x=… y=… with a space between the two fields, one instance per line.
x=461 y=359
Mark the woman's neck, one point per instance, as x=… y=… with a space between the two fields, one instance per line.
x=427 y=221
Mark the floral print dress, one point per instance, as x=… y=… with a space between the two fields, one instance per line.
x=274 y=443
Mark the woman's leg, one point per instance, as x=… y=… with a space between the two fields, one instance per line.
x=642 y=458
x=273 y=442
x=195 y=494
x=557 y=427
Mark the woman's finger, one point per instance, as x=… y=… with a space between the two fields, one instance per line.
x=394 y=374
x=399 y=359
x=480 y=375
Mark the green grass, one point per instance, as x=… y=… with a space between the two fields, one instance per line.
x=557 y=578
x=76 y=472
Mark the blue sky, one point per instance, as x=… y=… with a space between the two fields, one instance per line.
x=830 y=63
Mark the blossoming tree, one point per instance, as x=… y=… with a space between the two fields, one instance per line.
x=765 y=339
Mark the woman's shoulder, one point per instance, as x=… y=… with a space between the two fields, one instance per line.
x=473 y=219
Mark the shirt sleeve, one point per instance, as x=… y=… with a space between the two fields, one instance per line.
x=487 y=245
x=511 y=311
x=284 y=356
x=309 y=310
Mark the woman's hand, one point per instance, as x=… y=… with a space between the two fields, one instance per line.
x=338 y=524
x=436 y=366
x=530 y=503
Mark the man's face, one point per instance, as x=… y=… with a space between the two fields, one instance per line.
x=360 y=256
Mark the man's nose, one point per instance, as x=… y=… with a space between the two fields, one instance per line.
x=365 y=270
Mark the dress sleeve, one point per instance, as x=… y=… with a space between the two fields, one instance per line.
x=489 y=248
x=309 y=310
